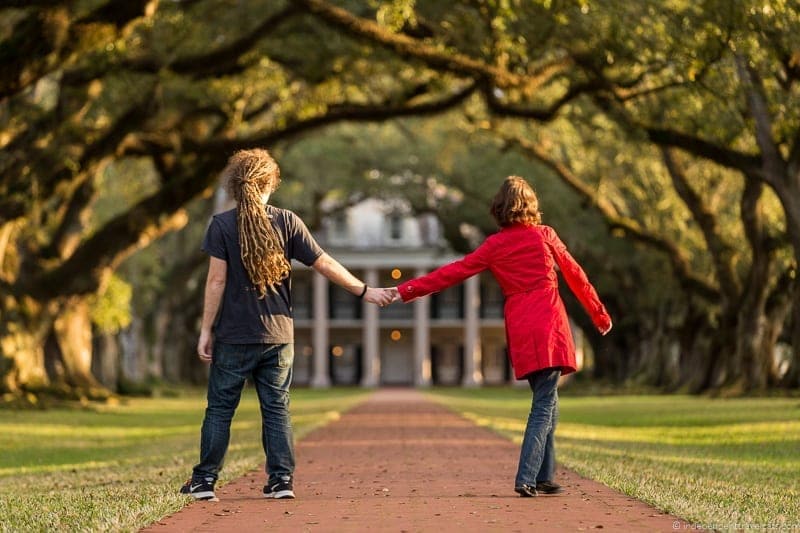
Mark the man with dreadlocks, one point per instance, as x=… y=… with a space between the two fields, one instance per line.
x=247 y=328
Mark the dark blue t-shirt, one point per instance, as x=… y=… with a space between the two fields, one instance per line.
x=243 y=318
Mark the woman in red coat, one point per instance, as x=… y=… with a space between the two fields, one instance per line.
x=522 y=256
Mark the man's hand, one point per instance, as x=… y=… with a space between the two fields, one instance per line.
x=395 y=294
x=378 y=296
x=205 y=346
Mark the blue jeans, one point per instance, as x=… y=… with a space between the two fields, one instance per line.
x=270 y=367
x=537 y=460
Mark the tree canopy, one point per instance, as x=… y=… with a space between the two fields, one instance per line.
x=674 y=123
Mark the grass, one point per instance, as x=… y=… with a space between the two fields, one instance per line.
x=119 y=467
x=718 y=463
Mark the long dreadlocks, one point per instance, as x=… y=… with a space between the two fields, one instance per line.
x=249 y=175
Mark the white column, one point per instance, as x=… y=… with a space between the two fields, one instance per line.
x=370 y=362
x=511 y=379
x=422 y=339
x=472 y=341
x=577 y=335
x=321 y=376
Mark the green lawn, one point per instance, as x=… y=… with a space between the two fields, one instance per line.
x=711 y=461
x=118 y=468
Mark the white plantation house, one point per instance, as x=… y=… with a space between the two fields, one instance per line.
x=455 y=337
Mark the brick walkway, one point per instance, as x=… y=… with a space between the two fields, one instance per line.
x=399 y=462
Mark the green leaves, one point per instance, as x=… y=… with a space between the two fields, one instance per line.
x=111 y=309
x=396 y=14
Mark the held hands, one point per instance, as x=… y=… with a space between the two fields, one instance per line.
x=382 y=296
x=378 y=296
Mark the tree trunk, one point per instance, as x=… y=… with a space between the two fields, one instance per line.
x=174 y=322
x=105 y=360
x=161 y=334
x=696 y=358
x=73 y=334
x=133 y=366
x=723 y=346
x=23 y=329
x=795 y=336
x=47 y=344
x=788 y=193
x=792 y=377
x=748 y=372
x=754 y=345
x=659 y=360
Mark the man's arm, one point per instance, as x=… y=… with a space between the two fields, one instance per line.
x=334 y=271
x=215 y=286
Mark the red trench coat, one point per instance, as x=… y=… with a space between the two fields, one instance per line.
x=522 y=259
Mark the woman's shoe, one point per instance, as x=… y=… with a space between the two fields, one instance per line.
x=549 y=487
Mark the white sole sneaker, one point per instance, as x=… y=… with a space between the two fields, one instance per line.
x=280 y=495
x=207 y=495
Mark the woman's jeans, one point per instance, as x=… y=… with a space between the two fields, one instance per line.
x=270 y=367
x=537 y=460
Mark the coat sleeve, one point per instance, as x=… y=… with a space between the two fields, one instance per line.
x=447 y=275
x=578 y=282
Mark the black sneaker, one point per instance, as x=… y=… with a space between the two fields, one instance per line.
x=200 y=489
x=279 y=489
x=526 y=491
x=548 y=487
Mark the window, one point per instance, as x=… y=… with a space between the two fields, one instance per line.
x=342 y=304
x=492 y=300
x=395 y=227
x=301 y=296
x=448 y=303
x=338 y=227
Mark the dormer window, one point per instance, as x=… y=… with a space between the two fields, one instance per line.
x=340 y=225
x=395 y=227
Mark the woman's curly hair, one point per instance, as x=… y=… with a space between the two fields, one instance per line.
x=516 y=202
x=248 y=175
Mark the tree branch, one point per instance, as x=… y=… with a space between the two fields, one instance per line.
x=150 y=218
x=35 y=46
x=773 y=164
x=42 y=43
x=542 y=114
x=667 y=137
x=221 y=60
x=680 y=263
x=68 y=233
x=726 y=157
x=94 y=152
x=632 y=94
x=407 y=47
x=208 y=64
x=793 y=165
x=342 y=113
x=155 y=215
x=722 y=253
x=117 y=12
x=33 y=3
